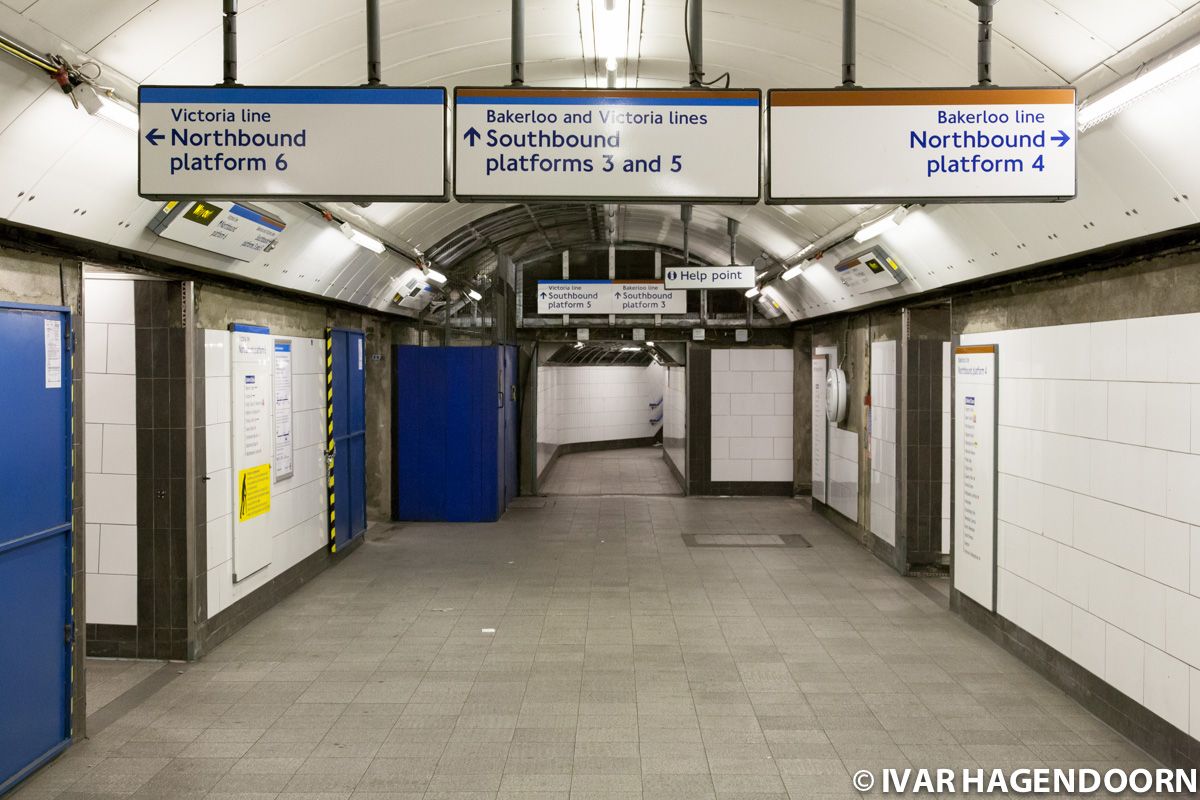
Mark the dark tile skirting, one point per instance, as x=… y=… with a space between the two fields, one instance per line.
x=1154 y=734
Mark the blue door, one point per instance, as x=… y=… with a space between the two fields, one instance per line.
x=346 y=365
x=36 y=616
x=510 y=466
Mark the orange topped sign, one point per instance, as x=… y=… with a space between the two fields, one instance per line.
x=915 y=145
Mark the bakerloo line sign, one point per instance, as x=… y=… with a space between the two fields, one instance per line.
x=607 y=145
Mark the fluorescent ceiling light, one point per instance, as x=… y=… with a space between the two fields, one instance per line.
x=630 y=349
x=611 y=31
x=752 y=292
x=107 y=106
x=433 y=276
x=649 y=344
x=881 y=226
x=474 y=295
x=1117 y=98
x=795 y=271
x=361 y=239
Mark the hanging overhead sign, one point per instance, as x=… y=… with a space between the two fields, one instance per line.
x=295 y=143
x=589 y=298
x=732 y=277
x=607 y=145
x=914 y=145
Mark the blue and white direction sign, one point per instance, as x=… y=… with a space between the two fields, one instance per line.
x=607 y=145
x=906 y=145
x=732 y=277
x=296 y=143
x=598 y=297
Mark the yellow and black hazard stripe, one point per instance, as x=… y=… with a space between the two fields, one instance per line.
x=330 y=453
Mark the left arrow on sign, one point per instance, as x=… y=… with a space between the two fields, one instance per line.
x=154 y=137
x=472 y=135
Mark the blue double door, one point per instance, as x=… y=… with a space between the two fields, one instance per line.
x=455 y=429
x=36 y=616
x=346 y=419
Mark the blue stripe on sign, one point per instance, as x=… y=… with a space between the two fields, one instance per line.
x=283 y=347
x=607 y=101
x=568 y=283
x=280 y=95
x=242 y=327
x=254 y=216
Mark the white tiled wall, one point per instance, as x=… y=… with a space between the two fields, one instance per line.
x=597 y=404
x=1099 y=500
x=752 y=410
x=883 y=440
x=547 y=415
x=298 y=504
x=947 y=407
x=110 y=451
x=675 y=418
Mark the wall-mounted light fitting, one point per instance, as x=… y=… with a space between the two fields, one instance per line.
x=433 y=276
x=752 y=292
x=102 y=103
x=474 y=295
x=795 y=271
x=1151 y=76
x=360 y=238
x=881 y=225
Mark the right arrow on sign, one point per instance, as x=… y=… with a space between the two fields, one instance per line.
x=1062 y=138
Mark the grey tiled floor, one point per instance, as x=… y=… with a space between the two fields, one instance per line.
x=623 y=665
x=639 y=470
x=109 y=678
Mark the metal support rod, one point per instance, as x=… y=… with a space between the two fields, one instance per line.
x=695 y=36
x=518 y=43
x=849 y=44
x=731 y=226
x=14 y=48
x=229 y=26
x=374 y=56
x=985 y=40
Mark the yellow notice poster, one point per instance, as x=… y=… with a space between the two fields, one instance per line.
x=254 y=492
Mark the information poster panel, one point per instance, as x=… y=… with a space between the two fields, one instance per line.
x=284 y=455
x=975 y=436
x=251 y=448
x=820 y=432
x=608 y=145
x=910 y=145
x=292 y=142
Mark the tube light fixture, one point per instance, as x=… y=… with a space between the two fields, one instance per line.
x=881 y=225
x=631 y=349
x=104 y=104
x=795 y=271
x=360 y=238
x=474 y=295
x=610 y=32
x=1155 y=75
x=752 y=292
x=649 y=344
x=433 y=276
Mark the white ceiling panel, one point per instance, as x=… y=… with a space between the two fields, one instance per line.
x=84 y=23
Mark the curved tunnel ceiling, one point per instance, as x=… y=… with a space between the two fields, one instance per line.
x=1138 y=172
